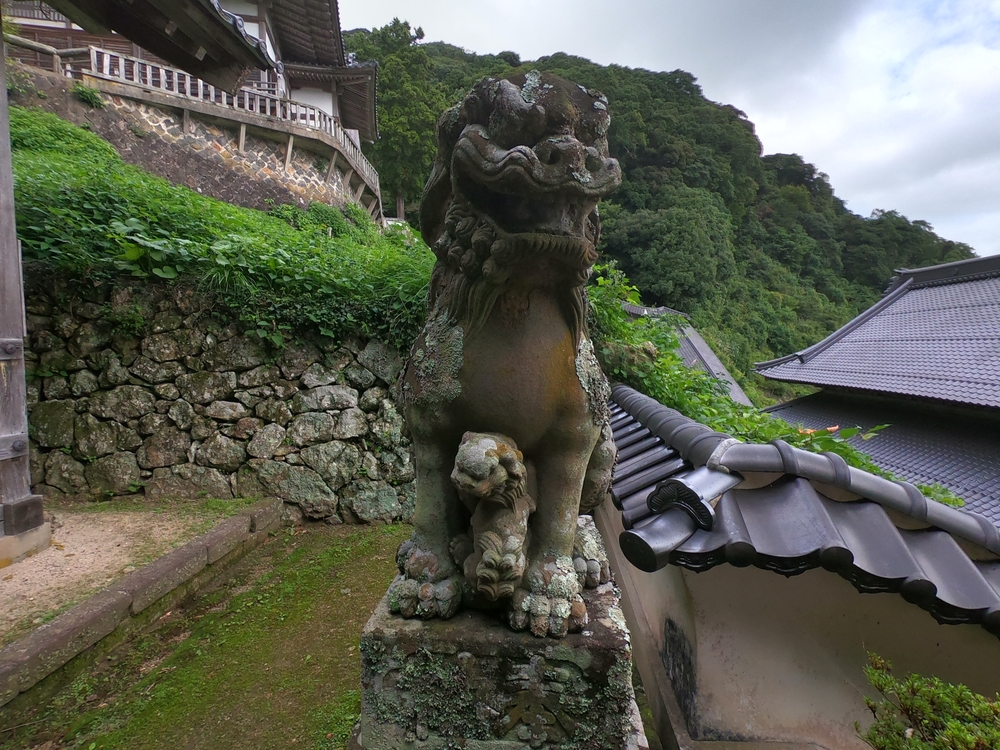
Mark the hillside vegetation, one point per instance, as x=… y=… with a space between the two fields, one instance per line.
x=84 y=213
x=757 y=249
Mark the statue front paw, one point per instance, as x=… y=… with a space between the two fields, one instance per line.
x=551 y=605
x=428 y=584
x=411 y=598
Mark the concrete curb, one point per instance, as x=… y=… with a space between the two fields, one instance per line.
x=48 y=648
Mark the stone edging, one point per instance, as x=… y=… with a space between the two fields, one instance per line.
x=28 y=661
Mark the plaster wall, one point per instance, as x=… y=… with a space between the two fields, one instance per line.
x=313 y=97
x=240 y=7
x=781 y=659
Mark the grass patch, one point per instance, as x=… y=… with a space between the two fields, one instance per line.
x=270 y=659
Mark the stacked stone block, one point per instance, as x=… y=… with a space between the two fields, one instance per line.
x=192 y=407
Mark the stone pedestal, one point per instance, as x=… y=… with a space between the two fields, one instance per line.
x=471 y=682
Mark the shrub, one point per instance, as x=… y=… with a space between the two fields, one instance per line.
x=90 y=97
x=925 y=713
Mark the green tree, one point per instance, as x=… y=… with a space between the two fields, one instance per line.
x=409 y=102
x=925 y=713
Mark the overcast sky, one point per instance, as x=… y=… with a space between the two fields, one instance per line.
x=897 y=100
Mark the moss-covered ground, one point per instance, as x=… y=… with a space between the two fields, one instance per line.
x=268 y=659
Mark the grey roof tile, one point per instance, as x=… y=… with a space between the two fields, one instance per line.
x=958 y=450
x=790 y=526
x=936 y=334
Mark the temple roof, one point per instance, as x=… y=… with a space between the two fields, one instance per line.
x=934 y=335
x=197 y=36
x=787 y=510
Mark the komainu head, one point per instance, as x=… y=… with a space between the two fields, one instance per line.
x=521 y=165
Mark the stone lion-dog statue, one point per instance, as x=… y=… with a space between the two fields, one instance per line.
x=505 y=400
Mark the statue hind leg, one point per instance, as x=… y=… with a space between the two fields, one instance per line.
x=430 y=584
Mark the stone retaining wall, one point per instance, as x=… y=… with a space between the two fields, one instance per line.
x=204 y=156
x=146 y=389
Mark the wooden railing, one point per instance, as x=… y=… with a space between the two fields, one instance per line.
x=117 y=67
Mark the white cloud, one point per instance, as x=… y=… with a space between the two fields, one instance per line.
x=898 y=101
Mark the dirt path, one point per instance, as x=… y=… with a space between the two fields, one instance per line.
x=269 y=659
x=91 y=547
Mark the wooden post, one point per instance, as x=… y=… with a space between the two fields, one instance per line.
x=243 y=137
x=360 y=190
x=347 y=180
x=288 y=152
x=22 y=511
x=333 y=164
x=186 y=122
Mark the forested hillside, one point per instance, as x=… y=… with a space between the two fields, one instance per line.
x=757 y=249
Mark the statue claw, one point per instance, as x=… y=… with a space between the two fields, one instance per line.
x=553 y=605
x=590 y=561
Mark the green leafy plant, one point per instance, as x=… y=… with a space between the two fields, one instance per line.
x=642 y=353
x=926 y=713
x=90 y=97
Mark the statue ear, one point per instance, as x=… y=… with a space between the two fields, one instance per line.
x=437 y=191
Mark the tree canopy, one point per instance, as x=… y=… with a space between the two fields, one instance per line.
x=757 y=249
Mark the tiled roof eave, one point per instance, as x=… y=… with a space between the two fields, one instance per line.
x=640 y=423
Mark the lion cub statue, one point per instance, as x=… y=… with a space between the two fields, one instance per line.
x=505 y=400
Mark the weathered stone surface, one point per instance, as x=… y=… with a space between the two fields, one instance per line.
x=338 y=359
x=296 y=357
x=387 y=429
x=310 y=428
x=156 y=372
x=371 y=399
x=358 y=376
x=83 y=383
x=51 y=423
x=205 y=387
x=497 y=690
x=167 y=391
x=351 y=423
x=371 y=501
x=239 y=353
x=36 y=462
x=167 y=347
x=264 y=514
x=284 y=389
x=227 y=411
x=266 y=441
x=247 y=427
x=337 y=462
x=128 y=439
x=225 y=536
x=203 y=427
x=382 y=360
x=122 y=403
x=117 y=474
x=114 y=373
x=166 y=321
x=151 y=423
x=89 y=337
x=221 y=452
x=65 y=473
x=94 y=438
x=294 y=484
x=51 y=645
x=259 y=376
x=188 y=481
x=316 y=375
x=165 y=447
x=325 y=397
x=397 y=466
x=182 y=413
x=56 y=387
x=60 y=360
x=162 y=576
